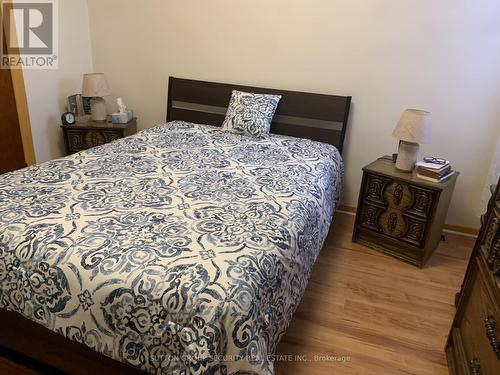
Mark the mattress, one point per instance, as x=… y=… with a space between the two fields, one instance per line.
x=183 y=249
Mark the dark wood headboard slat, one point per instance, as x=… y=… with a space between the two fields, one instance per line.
x=292 y=120
x=316 y=116
x=315 y=134
x=196 y=117
x=199 y=107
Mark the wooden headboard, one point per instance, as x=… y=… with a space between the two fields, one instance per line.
x=314 y=116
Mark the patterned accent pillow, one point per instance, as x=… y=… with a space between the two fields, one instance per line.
x=250 y=114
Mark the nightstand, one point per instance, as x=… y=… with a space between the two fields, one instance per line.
x=79 y=137
x=400 y=214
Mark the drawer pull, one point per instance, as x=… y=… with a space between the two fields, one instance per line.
x=490 y=325
x=397 y=196
x=475 y=367
x=392 y=222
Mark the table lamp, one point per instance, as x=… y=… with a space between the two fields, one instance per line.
x=413 y=128
x=95 y=87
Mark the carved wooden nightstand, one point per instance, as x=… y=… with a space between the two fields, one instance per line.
x=400 y=214
x=79 y=137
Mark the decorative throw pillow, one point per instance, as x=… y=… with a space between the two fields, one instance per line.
x=250 y=114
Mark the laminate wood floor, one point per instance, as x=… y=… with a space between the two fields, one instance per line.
x=367 y=313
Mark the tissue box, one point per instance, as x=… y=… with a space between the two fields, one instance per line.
x=122 y=118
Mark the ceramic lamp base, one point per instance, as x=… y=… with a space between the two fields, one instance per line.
x=98 y=108
x=407 y=156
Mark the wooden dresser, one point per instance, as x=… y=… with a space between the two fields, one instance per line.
x=473 y=346
x=79 y=137
x=400 y=214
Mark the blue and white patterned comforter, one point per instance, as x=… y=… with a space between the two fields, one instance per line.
x=181 y=250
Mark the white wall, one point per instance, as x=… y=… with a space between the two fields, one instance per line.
x=47 y=90
x=443 y=56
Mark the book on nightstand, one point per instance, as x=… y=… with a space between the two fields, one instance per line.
x=434 y=172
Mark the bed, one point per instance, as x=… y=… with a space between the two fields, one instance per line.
x=183 y=249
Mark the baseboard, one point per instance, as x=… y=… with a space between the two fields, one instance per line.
x=447 y=227
x=349 y=209
x=461 y=229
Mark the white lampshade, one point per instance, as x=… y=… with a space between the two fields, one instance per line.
x=414 y=126
x=95 y=85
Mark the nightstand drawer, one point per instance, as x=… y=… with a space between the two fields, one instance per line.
x=94 y=138
x=81 y=137
x=75 y=140
x=480 y=326
x=408 y=198
x=79 y=140
x=402 y=227
x=375 y=188
x=393 y=223
x=422 y=201
x=370 y=217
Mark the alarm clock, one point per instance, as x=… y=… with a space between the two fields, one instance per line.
x=68 y=118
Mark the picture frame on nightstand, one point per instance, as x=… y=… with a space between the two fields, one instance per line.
x=75 y=105
x=80 y=107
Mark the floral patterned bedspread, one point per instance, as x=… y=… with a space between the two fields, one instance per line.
x=180 y=250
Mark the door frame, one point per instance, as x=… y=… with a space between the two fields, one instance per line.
x=23 y=115
x=21 y=99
